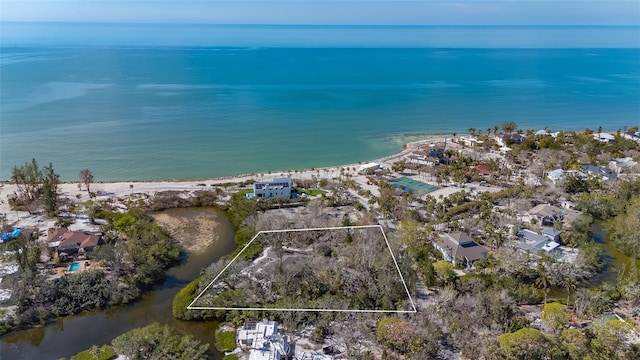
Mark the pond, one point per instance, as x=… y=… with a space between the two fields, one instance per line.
x=70 y=335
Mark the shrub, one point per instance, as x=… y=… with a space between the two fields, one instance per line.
x=95 y=353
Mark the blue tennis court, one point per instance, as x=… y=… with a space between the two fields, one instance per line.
x=413 y=185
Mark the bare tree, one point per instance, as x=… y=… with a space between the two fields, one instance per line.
x=86 y=176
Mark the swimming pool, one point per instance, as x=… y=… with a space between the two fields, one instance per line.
x=74 y=267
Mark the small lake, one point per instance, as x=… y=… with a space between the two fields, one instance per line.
x=67 y=336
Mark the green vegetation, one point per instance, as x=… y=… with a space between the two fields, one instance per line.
x=36 y=187
x=157 y=341
x=225 y=341
x=96 y=353
x=137 y=250
x=624 y=228
x=182 y=299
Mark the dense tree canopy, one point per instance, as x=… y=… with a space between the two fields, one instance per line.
x=157 y=341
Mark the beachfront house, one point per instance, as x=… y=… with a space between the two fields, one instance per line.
x=458 y=245
x=73 y=242
x=276 y=188
x=604 y=137
x=263 y=340
x=369 y=168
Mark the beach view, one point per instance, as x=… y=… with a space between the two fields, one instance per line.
x=272 y=180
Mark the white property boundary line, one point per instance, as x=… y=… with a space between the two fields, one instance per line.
x=404 y=283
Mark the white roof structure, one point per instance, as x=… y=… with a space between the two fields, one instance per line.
x=550 y=246
x=370 y=165
x=604 y=137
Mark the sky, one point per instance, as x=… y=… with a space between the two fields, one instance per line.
x=330 y=12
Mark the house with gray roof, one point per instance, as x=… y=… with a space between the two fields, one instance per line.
x=459 y=245
x=599 y=171
x=534 y=242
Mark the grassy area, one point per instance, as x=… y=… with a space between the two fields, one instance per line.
x=313 y=192
x=226 y=340
x=245 y=192
x=95 y=353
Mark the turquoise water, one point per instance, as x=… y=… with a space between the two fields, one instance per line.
x=160 y=104
x=74 y=267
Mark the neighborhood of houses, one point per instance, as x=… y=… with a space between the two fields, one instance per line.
x=538 y=232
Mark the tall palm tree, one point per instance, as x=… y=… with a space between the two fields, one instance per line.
x=544 y=280
x=569 y=285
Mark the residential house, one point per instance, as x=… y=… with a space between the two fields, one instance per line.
x=599 y=171
x=276 y=188
x=509 y=139
x=534 y=242
x=604 y=137
x=632 y=135
x=622 y=164
x=470 y=140
x=459 y=245
x=423 y=160
x=543 y=214
x=483 y=170
x=551 y=233
x=73 y=242
x=369 y=167
x=263 y=340
x=557 y=176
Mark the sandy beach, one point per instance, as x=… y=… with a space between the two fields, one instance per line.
x=118 y=189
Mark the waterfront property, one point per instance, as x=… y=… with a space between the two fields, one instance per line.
x=534 y=242
x=276 y=188
x=73 y=242
x=369 y=168
x=458 y=245
x=263 y=340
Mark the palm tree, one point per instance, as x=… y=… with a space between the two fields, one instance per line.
x=569 y=285
x=544 y=280
x=508 y=127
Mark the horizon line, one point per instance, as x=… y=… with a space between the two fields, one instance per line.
x=310 y=25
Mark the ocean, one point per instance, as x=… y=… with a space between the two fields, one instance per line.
x=152 y=102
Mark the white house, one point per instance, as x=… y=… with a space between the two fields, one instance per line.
x=276 y=188
x=604 y=137
x=558 y=175
x=263 y=340
x=621 y=164
x=369 y=167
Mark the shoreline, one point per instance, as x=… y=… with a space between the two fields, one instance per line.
x=111 y=189
x=401 y=147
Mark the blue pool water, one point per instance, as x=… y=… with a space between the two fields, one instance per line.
x=74 y=267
